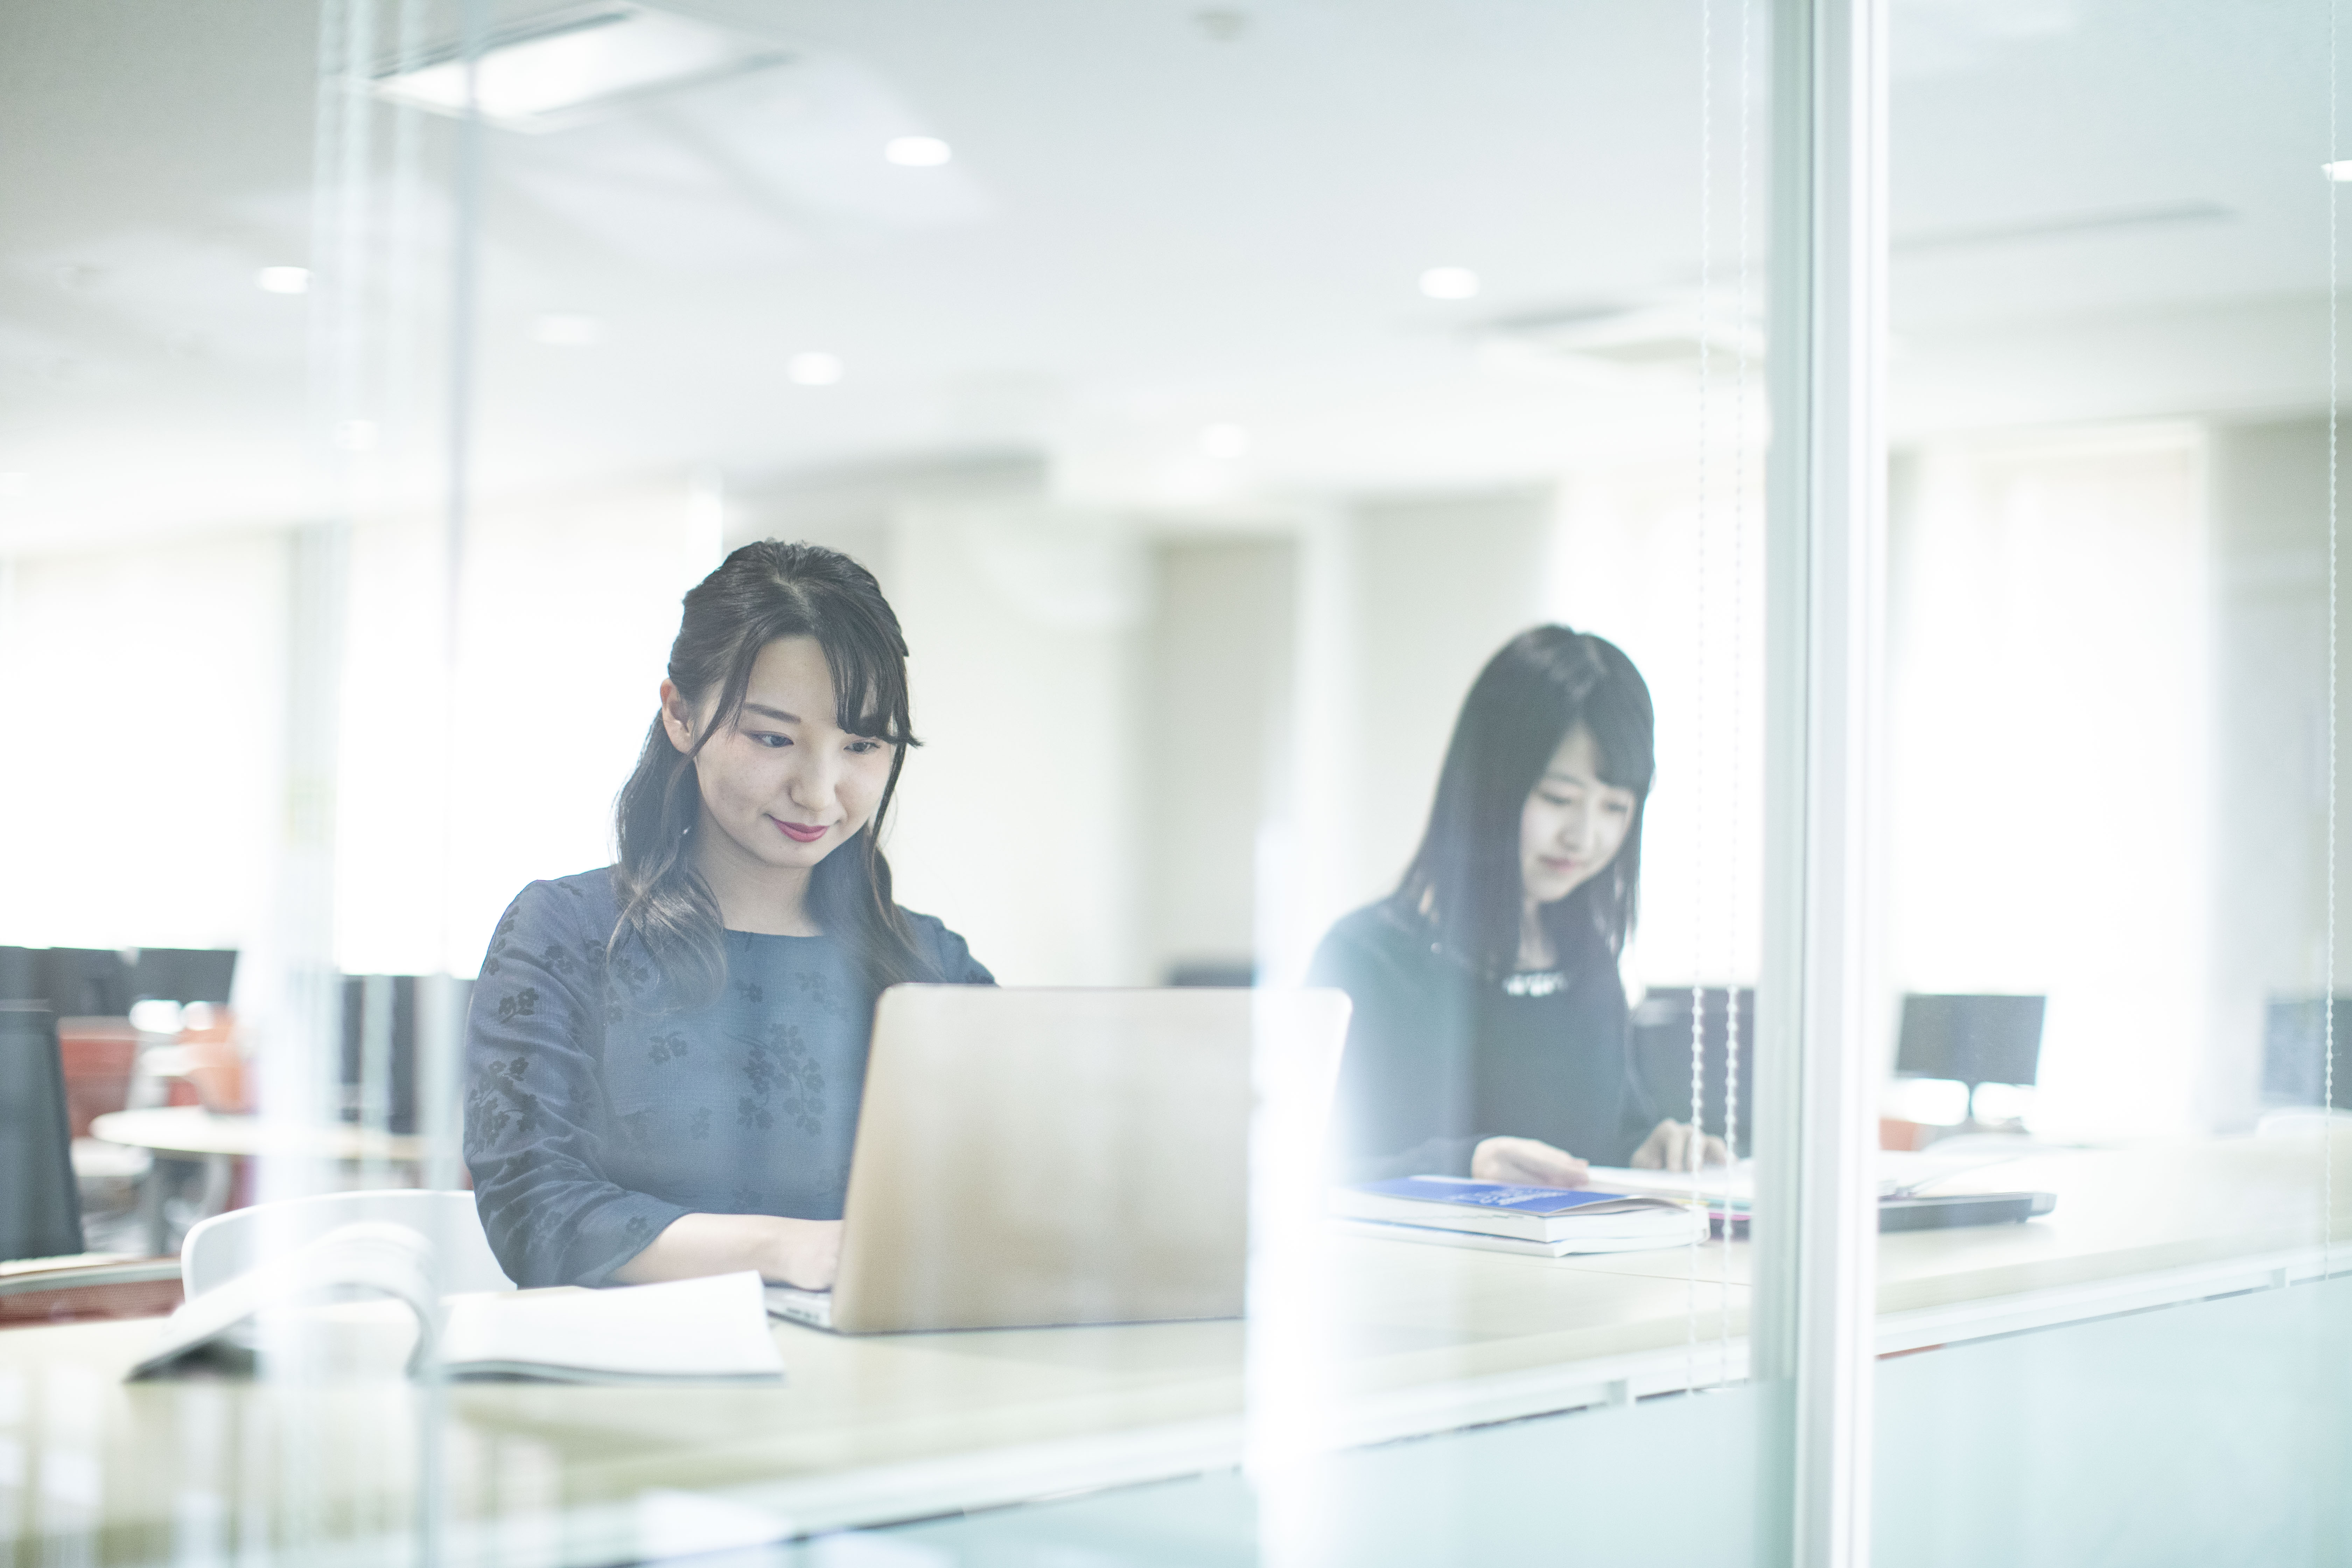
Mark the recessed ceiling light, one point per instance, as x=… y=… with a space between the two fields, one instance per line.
x=562 y=70
x=563 y=330
x=2339 y=171
x=1224 y=440
x=813 y=369
x=283 y=279
x=1449 y=283
x=917 y=152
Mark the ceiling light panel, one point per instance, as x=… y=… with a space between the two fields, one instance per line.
x=577 y=65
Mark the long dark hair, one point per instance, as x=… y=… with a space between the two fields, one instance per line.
x=1464 y=880
x=760 y=593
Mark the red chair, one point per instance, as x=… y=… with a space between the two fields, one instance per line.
x=99 y=1055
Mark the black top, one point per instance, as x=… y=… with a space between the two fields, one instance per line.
x=1439 y=1058
x=596 y=1114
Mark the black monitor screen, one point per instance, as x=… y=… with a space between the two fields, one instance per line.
x=86 y=982
x=41 y=1213
x=21 y=976
x=184 y=973
x=1976 y=1039
x=400 y=1063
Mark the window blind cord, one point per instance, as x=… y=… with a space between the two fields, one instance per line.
x=1740 y=476
x=2328 y=992
x=1700 y=791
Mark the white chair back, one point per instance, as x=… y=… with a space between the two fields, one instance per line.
x=227 y=1245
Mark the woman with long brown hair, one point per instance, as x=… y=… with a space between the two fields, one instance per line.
x=663 y=1057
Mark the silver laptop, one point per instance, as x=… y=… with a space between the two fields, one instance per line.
x=1035 y=1157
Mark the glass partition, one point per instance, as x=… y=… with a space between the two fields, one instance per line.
x=1214 y=399
x=2111 y=785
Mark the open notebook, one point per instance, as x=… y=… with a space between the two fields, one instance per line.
x=686 y=1331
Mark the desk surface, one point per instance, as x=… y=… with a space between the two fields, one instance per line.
x=193 y=1130
x=1421 y=1339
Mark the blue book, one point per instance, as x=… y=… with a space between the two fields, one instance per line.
x=1497 y=1208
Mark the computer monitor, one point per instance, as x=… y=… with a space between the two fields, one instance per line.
x=86 y=982
x=183 y=974
x=21 y=979
x=2295 y=1035
x=41 y=1211
x=1971 y=1038
x=1661 y=1054
x=400 y=1064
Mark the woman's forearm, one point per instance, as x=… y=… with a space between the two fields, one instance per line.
x=803 y=1252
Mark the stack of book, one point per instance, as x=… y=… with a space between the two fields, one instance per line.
x=1535 y=1222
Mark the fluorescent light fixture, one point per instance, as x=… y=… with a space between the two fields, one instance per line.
x=2339 y=171
x=283 y=279
x=1225 y=441
x=575 y=64
x=917 y=152
x=813 y=369
x=1450 y=283
x=564 y=330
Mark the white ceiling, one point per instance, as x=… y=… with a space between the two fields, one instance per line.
x=1146 y=229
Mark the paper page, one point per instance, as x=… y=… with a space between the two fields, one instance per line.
x=1898 y=1170
x=715 y=1327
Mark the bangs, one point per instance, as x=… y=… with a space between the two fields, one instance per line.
x=864 y=658
x=870 y=687
x=1623 y=739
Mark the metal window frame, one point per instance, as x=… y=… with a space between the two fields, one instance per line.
x=1815 y=1231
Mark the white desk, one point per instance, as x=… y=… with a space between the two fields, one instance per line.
x=191 y=1131
x=1424 y=1340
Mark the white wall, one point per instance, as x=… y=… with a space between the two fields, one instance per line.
x=2051 y=749
x=570 y=606
x=2269 y=504
x=146 y=688
x=1402 y=600
x=1217 y=726
x=159 y=816
x=1017 y=820
x=1634 y=559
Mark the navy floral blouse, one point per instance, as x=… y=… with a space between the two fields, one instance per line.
x=596 y=1114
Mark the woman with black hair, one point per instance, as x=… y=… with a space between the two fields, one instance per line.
x=664 y=1057
x=1490 y=1033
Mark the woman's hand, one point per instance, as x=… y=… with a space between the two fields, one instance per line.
x=1526 y=1162
x=805 y=1253
x=1668 y=1148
